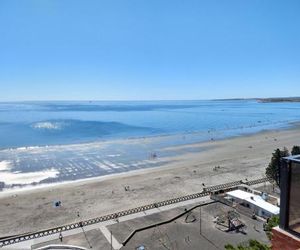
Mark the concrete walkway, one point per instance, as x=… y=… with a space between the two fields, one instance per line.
x=110 y=238
x=26 y=245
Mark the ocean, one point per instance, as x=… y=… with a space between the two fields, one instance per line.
x=49 y=142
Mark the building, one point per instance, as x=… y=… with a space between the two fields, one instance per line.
x=256 y=203
x=287 y=235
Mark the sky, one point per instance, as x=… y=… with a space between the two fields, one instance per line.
x=148 y=49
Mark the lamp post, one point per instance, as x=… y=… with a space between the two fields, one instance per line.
x=111 y=247
x=200 y=222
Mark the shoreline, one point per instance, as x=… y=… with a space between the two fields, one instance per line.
x=238 y=158
x=8 y=191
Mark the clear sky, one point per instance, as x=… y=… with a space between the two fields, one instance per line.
x=148 y=49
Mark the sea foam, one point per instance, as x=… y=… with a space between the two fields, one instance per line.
x=48 y=125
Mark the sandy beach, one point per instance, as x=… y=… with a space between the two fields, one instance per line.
x=238 y=158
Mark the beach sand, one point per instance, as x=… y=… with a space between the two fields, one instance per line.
x=239 y=158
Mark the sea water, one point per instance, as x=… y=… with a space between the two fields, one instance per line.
x=45 y=142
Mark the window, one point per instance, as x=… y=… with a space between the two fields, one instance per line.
x=294 y=201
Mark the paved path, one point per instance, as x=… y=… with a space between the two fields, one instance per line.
x=110 y=238
x=26 y=245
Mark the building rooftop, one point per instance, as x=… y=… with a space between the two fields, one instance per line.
x=255 y=200
x=295 y=158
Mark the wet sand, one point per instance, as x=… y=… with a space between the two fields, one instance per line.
x=238 y=158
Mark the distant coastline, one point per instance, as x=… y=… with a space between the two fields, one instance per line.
x=263 y=100
x=278 y=99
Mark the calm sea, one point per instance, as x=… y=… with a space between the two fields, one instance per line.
x=23 y=126
x=52 y=123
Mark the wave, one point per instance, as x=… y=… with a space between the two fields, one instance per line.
x=25 y=178
x=66 y=131
x=5 y=165
x=84 y=127
x=48 y=125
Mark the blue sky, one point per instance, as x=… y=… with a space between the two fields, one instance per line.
x=148 y=49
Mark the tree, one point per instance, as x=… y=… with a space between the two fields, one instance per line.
x=296 y=150
x=250 y=245
x=272 y=222
x=272 y=171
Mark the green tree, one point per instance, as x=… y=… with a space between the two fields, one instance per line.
x=272 y=222
x=296 y=150
x=250 y=245
x=272 y=171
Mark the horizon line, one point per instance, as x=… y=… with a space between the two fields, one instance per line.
x=149 y=100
